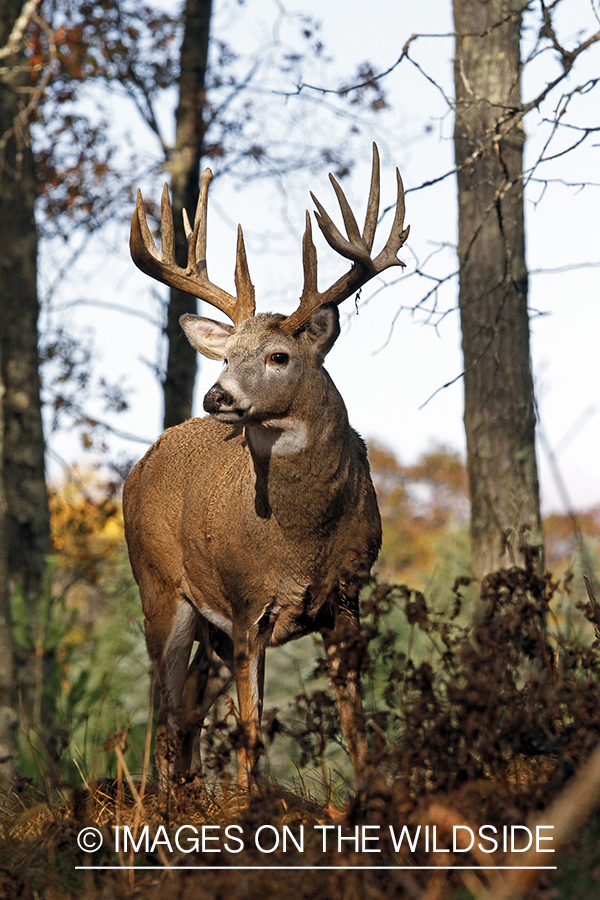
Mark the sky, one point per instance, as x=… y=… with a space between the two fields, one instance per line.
x=391 y=363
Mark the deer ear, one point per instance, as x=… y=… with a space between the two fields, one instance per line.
x=205 y=335
x=323 y=329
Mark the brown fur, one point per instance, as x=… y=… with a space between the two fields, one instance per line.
x=222 y=530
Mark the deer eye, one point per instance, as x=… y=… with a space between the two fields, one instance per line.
x=279 y=359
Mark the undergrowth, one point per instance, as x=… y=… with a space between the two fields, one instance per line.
x=468 y=725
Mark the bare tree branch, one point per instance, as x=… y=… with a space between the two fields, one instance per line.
x=16 y=36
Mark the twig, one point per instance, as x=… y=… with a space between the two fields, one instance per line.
x=16 y=35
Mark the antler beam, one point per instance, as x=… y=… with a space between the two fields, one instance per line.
x=357 y=247
x=194 y=278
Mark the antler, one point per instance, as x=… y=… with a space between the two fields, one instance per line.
x=357 y=248
x=194 y=278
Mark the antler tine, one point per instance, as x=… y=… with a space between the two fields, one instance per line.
x=353 y=248
x=347 y=214
x=197 y=236
x=309 y=300
x=246 y=305
x=167 y=231
x=194 y=278
x=356 y=247
x=373 y=203
x=141 y=242
x=309 y=261
x=398 y=235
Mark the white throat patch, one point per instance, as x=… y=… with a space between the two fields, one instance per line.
x=278 y=437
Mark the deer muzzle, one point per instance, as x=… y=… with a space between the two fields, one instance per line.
x=217 y=399
x=224 y=407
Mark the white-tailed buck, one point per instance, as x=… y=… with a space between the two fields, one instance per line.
x=257 y=524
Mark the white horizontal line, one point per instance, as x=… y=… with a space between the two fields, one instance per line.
x=312 y=868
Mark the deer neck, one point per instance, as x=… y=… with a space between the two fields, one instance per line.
x=295 y=455
x=283 y=437
x=316 y=423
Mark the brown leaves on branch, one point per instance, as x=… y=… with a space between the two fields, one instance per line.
x=80 y=49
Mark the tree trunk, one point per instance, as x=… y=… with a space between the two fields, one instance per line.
x=184 y=165
x=499 y=402
x=8 y=694
x=24 y=484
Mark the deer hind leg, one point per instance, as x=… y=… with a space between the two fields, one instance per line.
x=209 y=676
x=344 y=648
x=171 y=658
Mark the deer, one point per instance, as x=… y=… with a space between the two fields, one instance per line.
x=257 y=524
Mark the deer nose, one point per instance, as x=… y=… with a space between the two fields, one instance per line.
x=217 y=398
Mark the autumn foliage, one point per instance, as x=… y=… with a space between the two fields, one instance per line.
x=421 y=505
x=87 y=525
x=425 y=514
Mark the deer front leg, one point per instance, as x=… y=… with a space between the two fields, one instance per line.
x=344 y=648
x=249 y=676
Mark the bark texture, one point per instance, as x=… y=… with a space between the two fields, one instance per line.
x=499 y=400
x=27 y=530
x=8 y=698
x=185 y=167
